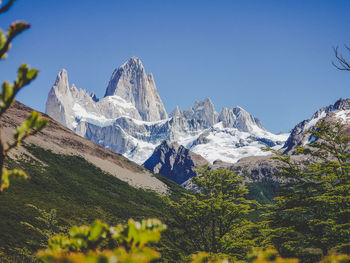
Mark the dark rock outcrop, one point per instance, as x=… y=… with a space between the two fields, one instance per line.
x=174 y=162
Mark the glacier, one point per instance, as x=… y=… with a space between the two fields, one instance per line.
x=131 y=119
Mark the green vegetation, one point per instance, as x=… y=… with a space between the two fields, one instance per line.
x=308 y=220
x=101 y=243
x=215 y=219
x=263 y=191
x=311 y=215
x=77 y=190
x=175 y=191
x=68 y=191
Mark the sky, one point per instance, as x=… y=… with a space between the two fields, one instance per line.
x=273 y=58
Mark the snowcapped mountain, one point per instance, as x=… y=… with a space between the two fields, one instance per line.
x=131 y=83
x=131 y=119
x=339 y=111
x=231 y=144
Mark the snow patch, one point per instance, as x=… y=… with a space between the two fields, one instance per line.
x=118 y=101
x=230 y=144
x=81 y=114
x=311 y=123
x=343 y=115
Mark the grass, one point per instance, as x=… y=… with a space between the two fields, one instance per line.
x=76 y=189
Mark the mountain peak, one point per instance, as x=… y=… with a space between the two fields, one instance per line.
x=239 y=108
x=131 y=83
x=203 y=110
x=132 y=62
x=63 y=71
x=176 y=112
x=134 y=58
x=62 y=79
x=239 y=118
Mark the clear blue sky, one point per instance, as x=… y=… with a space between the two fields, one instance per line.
x=272 y=58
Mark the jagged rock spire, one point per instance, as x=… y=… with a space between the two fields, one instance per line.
x=60 y=96
x=239 y=118
x=131 y=83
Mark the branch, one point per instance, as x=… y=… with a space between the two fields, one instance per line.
x=15 y=29
x=15 y=144
x=342 y=63
x=6 y=6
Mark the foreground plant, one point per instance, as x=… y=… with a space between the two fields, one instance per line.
x=100 y=242
x=34 y=122
x=259 y=255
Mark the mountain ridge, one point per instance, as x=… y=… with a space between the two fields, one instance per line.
x=121 y=123
x=59 y=139
x=340 y=111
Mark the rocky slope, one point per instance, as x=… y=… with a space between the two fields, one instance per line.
x=253 y=168
x=174 y=161
x=59 y=139
x=131 y=119
x=339 y=111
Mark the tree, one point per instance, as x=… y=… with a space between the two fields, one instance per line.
x=34 y=122
x=214 y=220
x=311 y=215
x=341 y=63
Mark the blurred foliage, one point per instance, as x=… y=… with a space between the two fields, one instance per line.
x=258 y=255
x=34 y=122
x=336 y=258
x=101 y=243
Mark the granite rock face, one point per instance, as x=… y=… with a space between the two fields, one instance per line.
x=60 y=100
x=70 y=106
x=239 y=118
x=131 y=83
x=174 y=161
x=203 y=111
x=131 y=119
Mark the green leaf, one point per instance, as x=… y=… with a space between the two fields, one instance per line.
x=25 y=76
x=2 y=39
x=79 y=232
x=6 y=94
x=9 y=91
x=7 y=175
x=16 y=28
x=59 y=243
x=98 y=230
x=33 y=123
